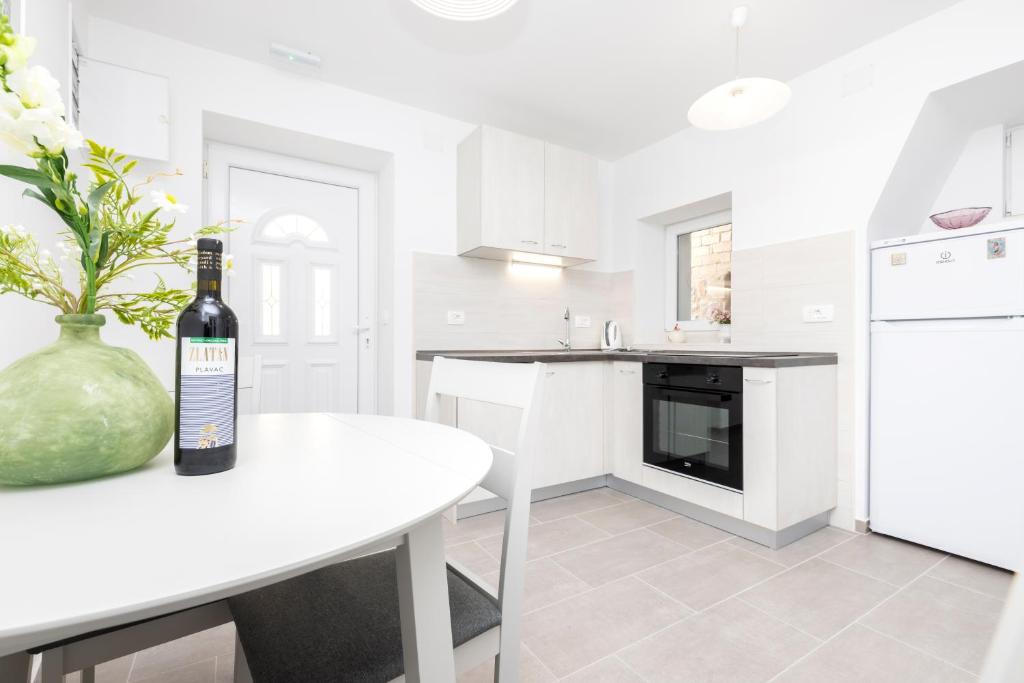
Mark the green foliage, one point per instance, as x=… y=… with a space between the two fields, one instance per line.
x=110 y=235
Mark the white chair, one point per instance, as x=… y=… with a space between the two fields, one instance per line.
x=342 y=622
x=250 y=380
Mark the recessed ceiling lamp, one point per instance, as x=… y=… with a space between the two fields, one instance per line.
x=742 y=101
x=465 y=10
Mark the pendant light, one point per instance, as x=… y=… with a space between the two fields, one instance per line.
x=465 y=10
x=742 y=101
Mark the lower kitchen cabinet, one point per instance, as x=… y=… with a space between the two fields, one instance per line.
x=624 y=420
x=570 y=424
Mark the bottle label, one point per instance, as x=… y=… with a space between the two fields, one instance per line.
x=207 y=396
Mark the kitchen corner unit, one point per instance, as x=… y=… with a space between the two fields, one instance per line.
x=745 y=442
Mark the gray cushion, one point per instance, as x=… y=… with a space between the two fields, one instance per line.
x=341 y=623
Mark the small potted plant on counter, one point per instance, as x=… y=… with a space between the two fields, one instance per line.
x=78 y=408
x=723 y=319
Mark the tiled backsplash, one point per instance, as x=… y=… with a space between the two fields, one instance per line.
x=510 y=309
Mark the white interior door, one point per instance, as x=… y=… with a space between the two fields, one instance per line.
x=298 y=277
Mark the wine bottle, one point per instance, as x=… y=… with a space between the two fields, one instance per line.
x=206 y=405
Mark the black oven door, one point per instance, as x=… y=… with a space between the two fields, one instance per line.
x=695 y=433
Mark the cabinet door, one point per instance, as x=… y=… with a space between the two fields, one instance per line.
x=625 y=421
x=125 y=109
x=512 y=191
x=571 y=431
x=571 y=226
x=760 y=447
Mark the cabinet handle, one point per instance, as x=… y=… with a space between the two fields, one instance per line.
x=628 y=372
x=756 y=381
x=549 y=373
x=558 y=246
x=528 y=241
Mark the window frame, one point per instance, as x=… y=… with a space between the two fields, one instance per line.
x=672 y=233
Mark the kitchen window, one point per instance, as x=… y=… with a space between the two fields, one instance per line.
x=699 y=264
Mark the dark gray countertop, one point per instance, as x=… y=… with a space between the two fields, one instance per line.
x=753 y=359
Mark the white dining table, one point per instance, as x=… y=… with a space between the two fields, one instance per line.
x=308 y=490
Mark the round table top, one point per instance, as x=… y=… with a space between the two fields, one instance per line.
x=307 y=489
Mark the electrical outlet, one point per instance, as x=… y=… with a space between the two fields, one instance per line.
x=456 y=317
x=583 y=321
x=821 y=313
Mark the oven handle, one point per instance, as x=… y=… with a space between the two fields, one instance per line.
x=748 y=380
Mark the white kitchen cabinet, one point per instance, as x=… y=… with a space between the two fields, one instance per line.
x=570 y=424
x=789 y=444
x=125 y=109
x=500 y=193
x=624 y=420
x=523 y=199
x=570 y=203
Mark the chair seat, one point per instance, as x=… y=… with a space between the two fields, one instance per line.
x=341 y=623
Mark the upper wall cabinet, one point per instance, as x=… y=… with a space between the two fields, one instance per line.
x=125 y=109
x=523 y=198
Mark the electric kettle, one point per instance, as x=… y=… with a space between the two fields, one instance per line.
x=611 y=336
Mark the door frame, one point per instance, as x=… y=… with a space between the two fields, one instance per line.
x=220 y=158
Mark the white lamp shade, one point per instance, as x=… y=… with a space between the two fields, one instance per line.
x=465 y=10
x=739 y=103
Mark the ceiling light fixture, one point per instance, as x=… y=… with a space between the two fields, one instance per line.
x=465 y=10
x=294 y=55
x=742 y=101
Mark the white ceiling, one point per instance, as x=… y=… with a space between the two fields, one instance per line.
x=606 y=76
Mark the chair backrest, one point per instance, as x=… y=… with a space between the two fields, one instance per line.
x=250 y=377
x=517 y=385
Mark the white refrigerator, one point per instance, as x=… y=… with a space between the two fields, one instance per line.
x=947 y=391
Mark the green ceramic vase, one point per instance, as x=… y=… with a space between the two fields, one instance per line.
x=79 y=409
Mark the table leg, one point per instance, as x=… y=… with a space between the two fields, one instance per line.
x=423 y=602
x=16 y=668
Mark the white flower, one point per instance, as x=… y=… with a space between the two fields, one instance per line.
x=229 y=265
x=16 y=54
x=37 y=88
x=48 y=129
x=167 y=202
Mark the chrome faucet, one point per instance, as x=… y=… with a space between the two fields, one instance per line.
x=567 y=342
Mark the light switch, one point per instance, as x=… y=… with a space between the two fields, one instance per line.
x=583 y=321
x=820 y=313
x=456 y=317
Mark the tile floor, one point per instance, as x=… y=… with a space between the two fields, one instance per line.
x=620 y=590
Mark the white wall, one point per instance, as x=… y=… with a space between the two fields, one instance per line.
x=977 y=177
x=817 y=168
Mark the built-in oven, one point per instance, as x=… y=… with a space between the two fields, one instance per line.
x=693 y=421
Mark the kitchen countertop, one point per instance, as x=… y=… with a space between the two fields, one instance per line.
x=753 y=359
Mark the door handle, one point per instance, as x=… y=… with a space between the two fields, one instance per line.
x=628 y=372
x=528 y=241
x=756 y=381
x=558 y=246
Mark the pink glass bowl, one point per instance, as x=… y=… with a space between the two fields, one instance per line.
x=960 y=218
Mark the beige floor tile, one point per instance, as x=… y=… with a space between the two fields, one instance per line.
x=200 y=647
x=627 y=516
x=798 y=551
x=530 y=671
x=731 y=642
x=473 y=557
x=114 y=671
x=952 y=623
x=199 y=672
x=546 y=582
x=574 y=504
x=579 y=631
x=618 y=556
x=624 y=497
x=818 y=597
x=225 y=669
x=690 y=533
x=884 y=558
x=860 y=655
x=608 y=670
x=707 y=576
x=974 y=575
x=551 y=537
x=474 y=528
